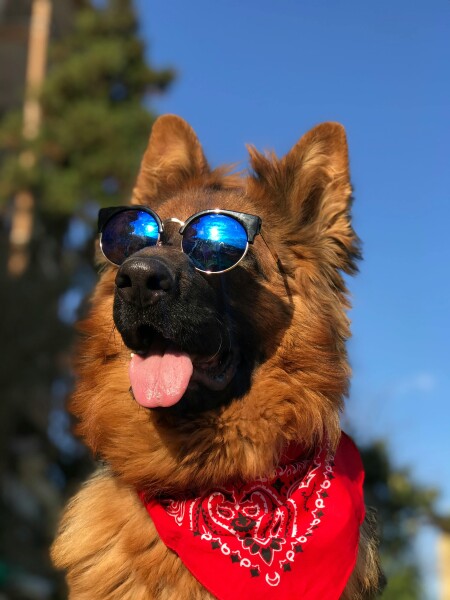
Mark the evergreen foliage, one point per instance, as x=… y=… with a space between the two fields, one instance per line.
x=402 y=507
x=94 y=121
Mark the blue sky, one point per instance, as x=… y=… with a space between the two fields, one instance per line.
x=265 y=72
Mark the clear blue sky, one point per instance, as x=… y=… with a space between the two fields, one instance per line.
x=265 y=72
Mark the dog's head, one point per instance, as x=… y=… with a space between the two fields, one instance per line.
x=228 y=368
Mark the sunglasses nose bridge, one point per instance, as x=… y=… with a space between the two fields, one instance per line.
x=170 y=228
x=173 y=220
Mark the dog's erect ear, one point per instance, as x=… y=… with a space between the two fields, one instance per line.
x=310 y=187
x=174 y=157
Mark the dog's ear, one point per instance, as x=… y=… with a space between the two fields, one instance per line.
x=173 y=159
x=310 y=190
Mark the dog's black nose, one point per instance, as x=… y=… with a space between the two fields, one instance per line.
x=143 y=281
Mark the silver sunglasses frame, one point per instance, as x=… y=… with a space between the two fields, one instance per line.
x=183 y=225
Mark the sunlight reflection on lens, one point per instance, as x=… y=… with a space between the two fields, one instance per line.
x=214 y=233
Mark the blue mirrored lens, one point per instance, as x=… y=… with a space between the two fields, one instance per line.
x=127 y=232
x=214 y=242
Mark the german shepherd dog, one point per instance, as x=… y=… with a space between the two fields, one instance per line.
x=211 y=373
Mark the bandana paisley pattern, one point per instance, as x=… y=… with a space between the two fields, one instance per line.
x=263 y=536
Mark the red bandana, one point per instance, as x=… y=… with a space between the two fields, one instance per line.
x=293 y=536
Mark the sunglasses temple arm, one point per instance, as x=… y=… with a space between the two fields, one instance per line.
x=281 y=269
x=274 y=254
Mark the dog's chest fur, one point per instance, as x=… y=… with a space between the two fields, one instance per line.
x=111 y=549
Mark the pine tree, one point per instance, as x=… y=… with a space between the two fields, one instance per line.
x=94 y=129
x=95 y=124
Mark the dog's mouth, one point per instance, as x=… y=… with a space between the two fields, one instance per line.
x=163 y=372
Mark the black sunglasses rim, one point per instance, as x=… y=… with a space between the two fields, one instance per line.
x=251 y=223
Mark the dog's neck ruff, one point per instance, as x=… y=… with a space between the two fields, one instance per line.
x=294 y=535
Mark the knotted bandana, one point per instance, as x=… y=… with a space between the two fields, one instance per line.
x=292 y=536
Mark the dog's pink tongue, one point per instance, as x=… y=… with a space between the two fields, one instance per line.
x=160 y=379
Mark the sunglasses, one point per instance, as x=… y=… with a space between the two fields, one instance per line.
x=214 y=240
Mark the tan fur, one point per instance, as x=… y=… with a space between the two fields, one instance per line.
x=107 y=542
x=117 y=553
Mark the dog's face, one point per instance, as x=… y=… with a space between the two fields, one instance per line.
x=225 y=369
x=197 y=337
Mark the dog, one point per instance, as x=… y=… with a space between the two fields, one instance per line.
x=212 y=369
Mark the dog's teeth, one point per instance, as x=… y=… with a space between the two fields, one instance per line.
x=131 y=354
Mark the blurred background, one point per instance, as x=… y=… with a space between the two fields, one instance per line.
x=80 y=85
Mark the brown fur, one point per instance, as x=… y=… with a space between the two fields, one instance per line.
x=107 y=542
